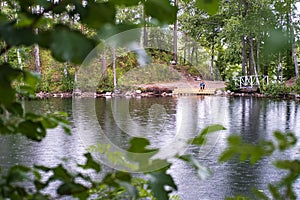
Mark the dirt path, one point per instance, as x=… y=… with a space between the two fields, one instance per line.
x=184 y=83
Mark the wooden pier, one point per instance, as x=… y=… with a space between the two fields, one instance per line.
x=193 y=91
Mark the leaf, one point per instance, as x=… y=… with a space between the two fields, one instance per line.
x=7 y=75
x=17 y=173
x=234 y=140
x=132 y=191
x=71 y=188
x=14 y=36
x=91 y=163
x=15 y=108
x=202 y=171
x=226 y=155
x=112 y=30
x=98 y=14
x=60 y=173
x=31 y=79
x=260 y=194
x=162 y=10
x=285 y=141
x=275 y=192
x=283 y=164
x=32 y=130
x=276 y=42
x=245 y=151
x=39 y=185
x=138 y=145
x=201 y=139
x=210 y=6
x=66 y=44
x=126 y=2
x=158 y=181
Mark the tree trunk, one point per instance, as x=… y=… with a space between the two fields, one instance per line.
x=197 y=61
x=184 y=50
x=253 y=61
x=37 y=55
x=244 y=56
x=192 y=54
x=76 y=89
x=295 y=61
x=175 y=36
x=212 y=60
x=5 y=54
x=145 y=41
x=114 y=67
x=258 y=55
x=19 y=59
x=104 y=68
x=251 y=57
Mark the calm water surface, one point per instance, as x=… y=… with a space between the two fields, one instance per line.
x=161 y=120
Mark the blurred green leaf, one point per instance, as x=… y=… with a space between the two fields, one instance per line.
x=18 y=173
x=162 y=10
x=227 y=155
x=201 y=139
x=17 y=36
x=31 y=79
x=110 y=30
x=71 y=188
x=210 y=6
x=126 y=2
x=202 y=171
x=158 y=181
x=275 y=192
x=276 y=42
x=40 y=185
x=60 y=173
x=66 y=44
x=138 y=145
x=285 y=140
x=15 y=108
x=246 y=151
x=132 y=191
x=260 y=194
x=32 y=130
x=7 y=75
x=91 y=163
x=99 y=14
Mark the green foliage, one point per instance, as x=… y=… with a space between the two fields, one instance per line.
x=296 y=87
x=231 y=86
x=201 y=138
x=277 y=90
x=211 y=6
x=149 y=74
x=255 y=152
x=161 y=10
x=158 y=181
x=13 y=118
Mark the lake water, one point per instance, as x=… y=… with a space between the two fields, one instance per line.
x=165 y=122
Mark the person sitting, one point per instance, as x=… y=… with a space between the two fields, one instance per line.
x=202 y=85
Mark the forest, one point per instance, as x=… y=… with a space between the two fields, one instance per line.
x=44 y=42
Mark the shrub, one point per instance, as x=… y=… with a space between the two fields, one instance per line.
x=277 y=90
x=296 y=87
x=230 y=85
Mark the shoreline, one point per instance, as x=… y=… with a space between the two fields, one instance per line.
x=158 y=92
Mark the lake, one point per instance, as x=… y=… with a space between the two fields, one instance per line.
x=165 y=121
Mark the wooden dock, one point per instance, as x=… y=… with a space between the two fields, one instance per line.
x=193 y=91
